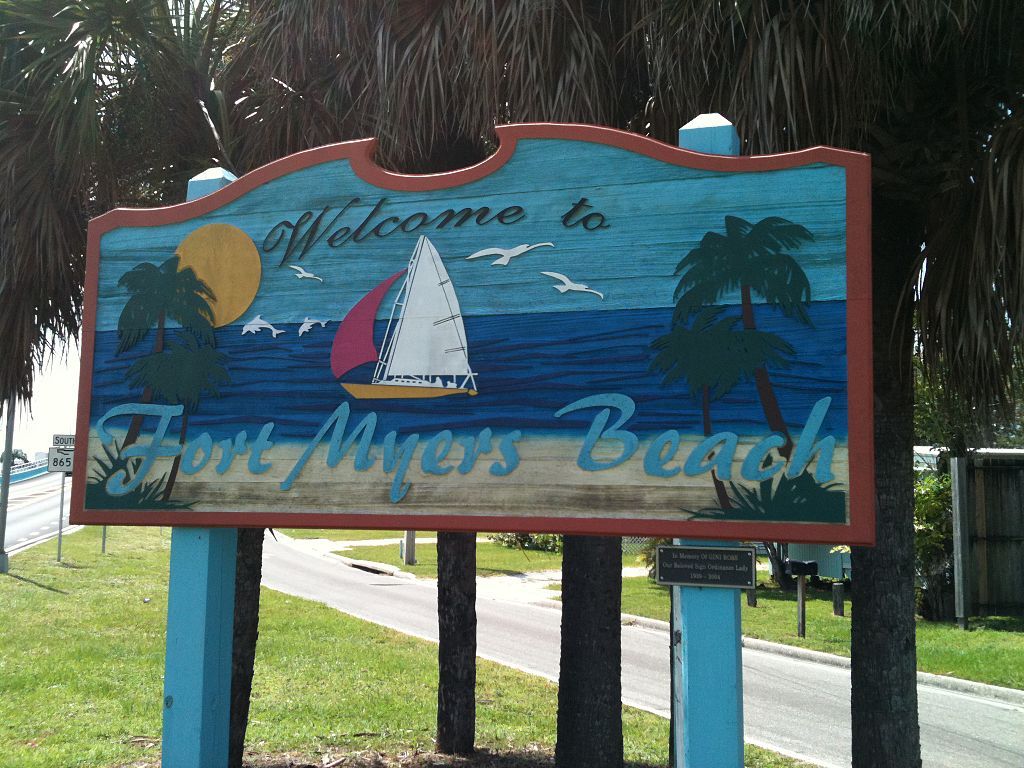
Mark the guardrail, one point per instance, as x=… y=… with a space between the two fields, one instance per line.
x=28 y=471
x=30 y=465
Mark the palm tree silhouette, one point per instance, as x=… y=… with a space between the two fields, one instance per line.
x=754 y=259
x=159 y=293
x=713 y=356
x=180 y=375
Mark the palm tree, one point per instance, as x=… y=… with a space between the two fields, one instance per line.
x=753 y=259
x=713 y=356
x=932 y=91
x=929 y=88
x=102 y=105
x=180 y=375
x=17 y=455
x=156 y=294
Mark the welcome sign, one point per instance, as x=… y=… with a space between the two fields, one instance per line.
x=589 y=332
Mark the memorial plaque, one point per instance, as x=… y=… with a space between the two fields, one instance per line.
x=734 y=567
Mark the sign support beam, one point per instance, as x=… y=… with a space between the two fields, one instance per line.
x=707 y=663
x=200 y=622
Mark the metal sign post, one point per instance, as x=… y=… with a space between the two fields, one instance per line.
x=68 y=441
x=5 y=481
x=60 y=517
x=61 y=459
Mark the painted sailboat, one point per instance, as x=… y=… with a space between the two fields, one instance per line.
x=424 y=353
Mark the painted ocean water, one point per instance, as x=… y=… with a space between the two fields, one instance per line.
x=527 y=366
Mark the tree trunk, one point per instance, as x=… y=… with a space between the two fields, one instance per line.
x=786 y=583
x=248 y=572
x=884 y=659
x=723 y=496
x=176 y=464
x=456 y=651
x=135 y=427
x=765 y=391
x=590 y=675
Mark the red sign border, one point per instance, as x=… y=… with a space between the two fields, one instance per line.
x=861 y=528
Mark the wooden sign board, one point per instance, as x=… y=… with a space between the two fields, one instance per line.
x=589 y=332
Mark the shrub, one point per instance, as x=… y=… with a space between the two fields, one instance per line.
x=544 y=542
x=649 y=554
x=933 y=544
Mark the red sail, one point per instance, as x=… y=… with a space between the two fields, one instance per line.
x=353 y=343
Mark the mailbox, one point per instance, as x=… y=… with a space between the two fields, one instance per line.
x=801 y=567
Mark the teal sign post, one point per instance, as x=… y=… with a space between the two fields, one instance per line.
x=707 y=633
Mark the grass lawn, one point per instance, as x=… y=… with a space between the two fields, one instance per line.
x=81 y=659
x=492 y=559
x=343 y=534
x=992 y=653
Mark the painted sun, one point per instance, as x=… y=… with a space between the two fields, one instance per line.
x=226 y=259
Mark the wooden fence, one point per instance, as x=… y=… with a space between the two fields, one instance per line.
x=988 y=527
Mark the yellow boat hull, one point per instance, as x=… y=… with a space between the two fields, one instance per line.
x=400 y=391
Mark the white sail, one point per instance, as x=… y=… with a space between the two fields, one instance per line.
x=428 y=340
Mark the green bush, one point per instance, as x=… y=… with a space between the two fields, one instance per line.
x=649 y=554
x=543 y=542
x=933 y=543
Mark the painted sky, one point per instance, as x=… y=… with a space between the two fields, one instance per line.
x=656 y=212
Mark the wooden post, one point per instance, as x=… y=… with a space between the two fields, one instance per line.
x=409 y=548
x=200 y=622
x=838 y=599
x=801 y=606
x=961 y=542
x=752 y=598
x=707 y=663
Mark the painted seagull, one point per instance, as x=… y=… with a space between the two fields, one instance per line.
x=507 y=254
x=569 y=285
x=308 y=323
x=301 y=273
x=257 y=324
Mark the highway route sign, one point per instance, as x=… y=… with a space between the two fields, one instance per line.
x=60 y=459
x=64 y=441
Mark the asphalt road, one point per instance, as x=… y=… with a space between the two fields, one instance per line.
x=796 y=707
x=32 y=510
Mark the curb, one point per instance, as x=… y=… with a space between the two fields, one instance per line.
x=754 y=644
x=983 y=690
x=371 y=566
x=42 y=538
x=1010 y=696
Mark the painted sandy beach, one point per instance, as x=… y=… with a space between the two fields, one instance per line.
x=555 y=484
